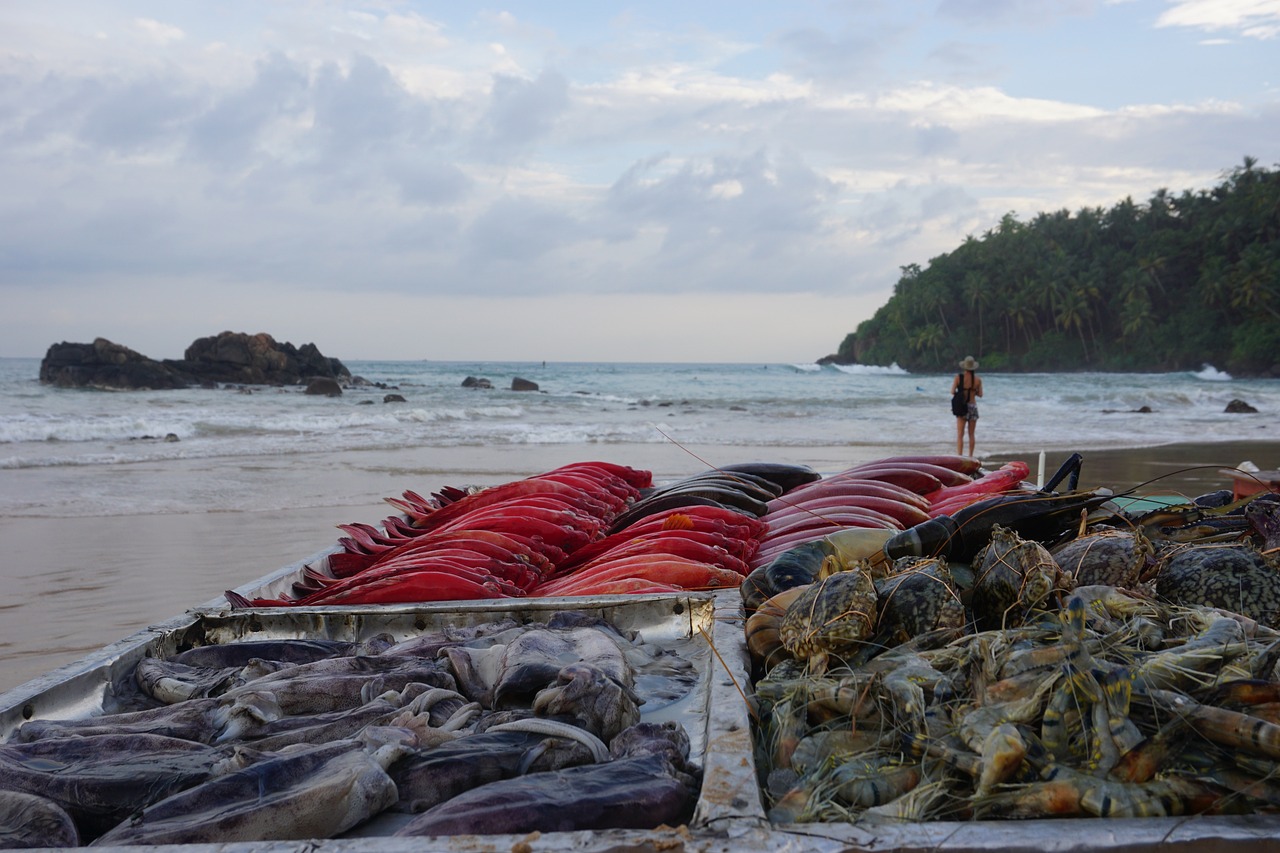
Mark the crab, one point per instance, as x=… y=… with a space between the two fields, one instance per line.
x=1110 y=557
x=1013 y=577
x=1236 y=578
x=919 y=595
x=832 y=616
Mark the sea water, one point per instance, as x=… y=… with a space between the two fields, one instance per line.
x=607 y=406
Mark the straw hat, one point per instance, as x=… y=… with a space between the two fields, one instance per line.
x=969 y=363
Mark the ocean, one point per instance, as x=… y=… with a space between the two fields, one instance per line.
x=77 y=435
x=107 y=527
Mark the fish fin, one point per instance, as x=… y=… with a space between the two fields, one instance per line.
x=678 y=521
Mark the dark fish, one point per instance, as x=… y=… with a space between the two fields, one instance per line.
x=645 y=786
x=590 y=699
x=785 y=476
x=196 y=720
x=428 y=645
x=100 y=780
x=728 y=493
x=662 y=503
x=312 y=792
x=533 y=661
x=794 y=567
x=341 y=683
x=746 y=483
x=170 y=682
x=515 y=668
x=428 y=777
x=284 y=651
x=1044 y=518
x=27 y=820
x=274 y=735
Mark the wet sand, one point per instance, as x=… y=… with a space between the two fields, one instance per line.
x=1174 y=469
x=75 y=584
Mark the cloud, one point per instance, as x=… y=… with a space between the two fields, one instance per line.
x=237 y=127
x=1259 y=19
x=158 y=32
x=1019 y=12
x=340 y=151
x=521 y=112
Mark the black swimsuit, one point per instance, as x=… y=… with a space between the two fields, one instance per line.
x=972 y=414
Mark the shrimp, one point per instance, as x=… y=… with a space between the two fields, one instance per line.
x=1002 y=755
x=1066 y=792
x=905 y=685
x=920 y=803
x=861 y=782
x=1195 y=662
x=1222 y=726
x=976 y=724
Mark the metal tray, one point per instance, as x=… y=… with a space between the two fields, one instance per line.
x=729 y=815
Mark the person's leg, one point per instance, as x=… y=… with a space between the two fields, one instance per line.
x=959 y=436
x=973 y=426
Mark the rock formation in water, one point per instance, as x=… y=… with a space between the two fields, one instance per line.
x=233 y=357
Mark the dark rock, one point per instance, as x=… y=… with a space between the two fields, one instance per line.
x=474 y=382
x=518 y=384
x=1240 y=407
x=234 y=358
x=258 y=360
x=393 y=398
x=106 y=365
x=324 y=386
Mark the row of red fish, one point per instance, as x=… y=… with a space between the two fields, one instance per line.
x=550 y=535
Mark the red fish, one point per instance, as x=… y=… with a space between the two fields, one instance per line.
x=682 y=572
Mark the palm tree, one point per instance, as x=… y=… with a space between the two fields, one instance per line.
x=977 y=292
x=1253 y=281
x=930 y=337
x=1072 y=308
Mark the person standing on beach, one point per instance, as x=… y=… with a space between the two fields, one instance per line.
x=971 y=383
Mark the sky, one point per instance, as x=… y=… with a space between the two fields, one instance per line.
x=733 y=181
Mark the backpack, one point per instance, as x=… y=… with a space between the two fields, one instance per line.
x=959 y=400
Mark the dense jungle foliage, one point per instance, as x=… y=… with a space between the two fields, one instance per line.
x=1168 y=285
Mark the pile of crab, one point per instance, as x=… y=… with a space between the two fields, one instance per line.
x=1034 y=655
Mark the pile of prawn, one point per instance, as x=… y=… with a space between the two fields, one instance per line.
x=1111 y=705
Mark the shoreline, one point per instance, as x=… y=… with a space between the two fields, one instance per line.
x=78 y=582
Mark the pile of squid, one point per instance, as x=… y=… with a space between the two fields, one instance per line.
x=1031 y=655
x=492 y=728
x=597 y=528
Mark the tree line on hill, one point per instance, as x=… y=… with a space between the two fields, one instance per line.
x=1171 y=284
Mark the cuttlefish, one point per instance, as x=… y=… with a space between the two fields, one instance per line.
x=305 y=791
x=645 y=785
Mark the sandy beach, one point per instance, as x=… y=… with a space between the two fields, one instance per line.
x=75 y=584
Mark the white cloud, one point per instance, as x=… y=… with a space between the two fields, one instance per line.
x=159 y=32
x=1258 y=19
x=342 y=152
